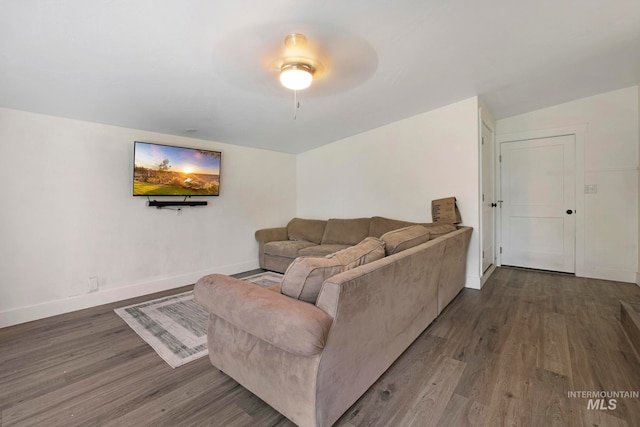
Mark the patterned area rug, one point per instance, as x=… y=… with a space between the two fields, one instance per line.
x=175 y=326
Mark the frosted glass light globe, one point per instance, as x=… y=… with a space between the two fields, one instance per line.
x=296 y=76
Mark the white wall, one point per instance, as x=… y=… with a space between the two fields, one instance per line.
x=396 y=170
x=68 y=214
x=611 y=162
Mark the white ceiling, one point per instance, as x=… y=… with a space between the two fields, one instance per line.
x=172 y=65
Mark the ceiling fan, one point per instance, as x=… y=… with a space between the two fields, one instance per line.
x=259 y=58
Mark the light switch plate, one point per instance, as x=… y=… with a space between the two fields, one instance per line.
x=590 y=189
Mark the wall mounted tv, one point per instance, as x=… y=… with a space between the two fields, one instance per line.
x=165 y=170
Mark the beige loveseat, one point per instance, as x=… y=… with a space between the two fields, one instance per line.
x=312 y=361
x=278 y=247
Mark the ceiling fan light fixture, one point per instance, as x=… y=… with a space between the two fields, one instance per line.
x=296 y=76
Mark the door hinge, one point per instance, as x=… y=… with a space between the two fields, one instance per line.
x=482 y=254
x=500 y=158
x=500 y=249
x=483 y=139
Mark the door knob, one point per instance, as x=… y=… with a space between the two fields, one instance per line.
x=493 y=205
x=569 y=211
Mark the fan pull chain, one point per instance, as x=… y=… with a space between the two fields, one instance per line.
x=296 y=105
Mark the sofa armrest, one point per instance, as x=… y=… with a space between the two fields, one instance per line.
x=291 y=325
x=269 y=235
x=272 y=234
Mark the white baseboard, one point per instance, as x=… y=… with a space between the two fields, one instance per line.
x=608 y=274
x=473 y=282
x=487 y=274
x=106 y=296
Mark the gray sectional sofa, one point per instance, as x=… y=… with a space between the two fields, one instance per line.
x=313 y=345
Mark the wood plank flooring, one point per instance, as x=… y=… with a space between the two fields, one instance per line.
x=630 y=320
x=504 y=356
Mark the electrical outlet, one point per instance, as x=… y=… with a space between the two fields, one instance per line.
x=93 y=284
x=590 y=189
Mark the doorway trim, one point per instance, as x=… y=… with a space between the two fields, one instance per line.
x=485 y=118
x=484 y=275
x=578 y=131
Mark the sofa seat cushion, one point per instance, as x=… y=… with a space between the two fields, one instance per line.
x=346 y=231
x=321 y=250
x=369 y=250
x=286 y=248
x=405 y=238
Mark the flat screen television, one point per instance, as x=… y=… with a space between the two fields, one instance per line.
x=166 y=170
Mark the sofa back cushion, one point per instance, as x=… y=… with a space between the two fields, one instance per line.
x=380 y=225
x=437 y=229
x=369 y=250
x=346 y=231
x=405 y=238
x=310 y=230
x=305 y=276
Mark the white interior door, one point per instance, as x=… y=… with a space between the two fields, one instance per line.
x=488 y=200
x=538 y=203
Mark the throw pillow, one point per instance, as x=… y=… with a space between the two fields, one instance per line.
x=305 y=275
x=405 y=238
x=369 y=250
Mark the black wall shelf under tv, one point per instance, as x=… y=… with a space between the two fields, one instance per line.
x=163 y=203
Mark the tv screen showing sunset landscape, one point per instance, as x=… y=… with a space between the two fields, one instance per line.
x=165 y=170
